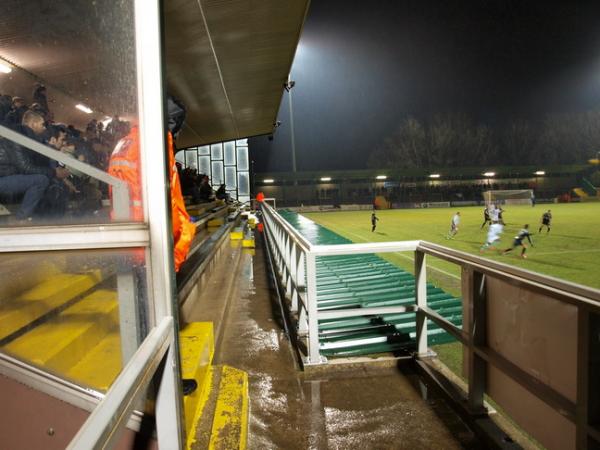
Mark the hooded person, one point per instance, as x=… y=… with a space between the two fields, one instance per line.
x=125 y=164
x=183 y=228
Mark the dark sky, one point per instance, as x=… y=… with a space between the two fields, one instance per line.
x=362 y=67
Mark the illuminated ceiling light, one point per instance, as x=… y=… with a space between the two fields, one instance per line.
x=83 y=108
x=539 y=172
x=4 y=68
x=489 y=174
x=326 y=179
x=381 y=177
x=268 y=180
x=434 y=175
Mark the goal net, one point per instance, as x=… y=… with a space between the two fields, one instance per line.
x=508 y=197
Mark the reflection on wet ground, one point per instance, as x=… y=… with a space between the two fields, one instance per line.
x=366 y=407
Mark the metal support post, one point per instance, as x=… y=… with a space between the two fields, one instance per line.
x=477 y=338
x=129 y=315
x=313 y=323
x=421 y=300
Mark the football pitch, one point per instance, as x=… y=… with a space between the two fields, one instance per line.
x=571 y=251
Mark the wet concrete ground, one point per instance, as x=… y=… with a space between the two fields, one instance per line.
x=360 y=408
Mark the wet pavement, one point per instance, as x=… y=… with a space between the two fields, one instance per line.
x=364 y=407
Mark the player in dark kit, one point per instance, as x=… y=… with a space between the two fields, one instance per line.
x=518 y=242
x=486 y=217
x=546 y=221
x=374 y=220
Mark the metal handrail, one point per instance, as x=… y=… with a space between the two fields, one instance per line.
x=120 y=189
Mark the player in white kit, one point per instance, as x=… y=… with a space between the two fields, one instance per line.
x=493 y=236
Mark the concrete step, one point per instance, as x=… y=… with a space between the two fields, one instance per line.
x=46 y=297
x=197 y=347
x=66 y=338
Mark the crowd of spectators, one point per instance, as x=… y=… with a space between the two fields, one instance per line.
x=197 y=186
x=44 y=187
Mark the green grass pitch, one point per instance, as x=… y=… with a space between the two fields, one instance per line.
x=571 y=251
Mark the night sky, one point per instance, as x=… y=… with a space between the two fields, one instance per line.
x=362 y=67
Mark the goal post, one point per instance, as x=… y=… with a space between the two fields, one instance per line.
x=508 y=197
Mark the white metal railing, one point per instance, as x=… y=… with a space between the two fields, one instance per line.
x=295 y=261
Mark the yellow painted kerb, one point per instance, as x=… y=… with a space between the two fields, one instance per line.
x=230 y=423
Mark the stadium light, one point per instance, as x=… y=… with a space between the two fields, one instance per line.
x=268 y=180
x=326 y=179
x=381 y=177
x=82 y=107
x=5 y=69
x=434 y=175
x=539 y=172
x=489 y=174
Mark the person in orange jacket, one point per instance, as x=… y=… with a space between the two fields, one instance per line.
x=124 y=164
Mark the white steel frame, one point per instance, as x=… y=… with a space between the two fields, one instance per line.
x=294 y=259
x=113 y=412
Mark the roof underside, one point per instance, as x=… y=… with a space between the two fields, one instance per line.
x=226 y=60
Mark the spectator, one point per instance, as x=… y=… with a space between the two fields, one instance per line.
x=206 y=190
x=15 y=115
x=21 y=173
x=5 y=107
x=40 y=97
x=221 y=193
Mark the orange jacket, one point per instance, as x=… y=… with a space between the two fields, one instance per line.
x=124 y=164
x=183 y=229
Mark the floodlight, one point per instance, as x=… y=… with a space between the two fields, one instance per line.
x=83 y=108
x=4 y=68
x=268 y=180
x=381 y=177
x=326 y=179
x=434 y=175
x=539 y=172
x=489 y=174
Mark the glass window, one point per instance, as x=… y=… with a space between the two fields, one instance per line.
x=205 y=150
x=180 y=157
x=217 y=174
x=243 y=183
x=230 y=178
x=191 y=159
x=216 y=151
x=242 y=142
x=229 y=148
x=77 y=314
x=74 y=66
x=204 y=165
x=242 y=158
x=233 y=194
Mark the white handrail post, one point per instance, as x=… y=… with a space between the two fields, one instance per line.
x=312 y=311
x=421 y=300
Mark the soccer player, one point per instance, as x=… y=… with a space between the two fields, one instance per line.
x=495 y=213
x=546 y=221
x=518 y=242
x=493 y=235
x=374 y=220
x=486 y=217
x=454 y=225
